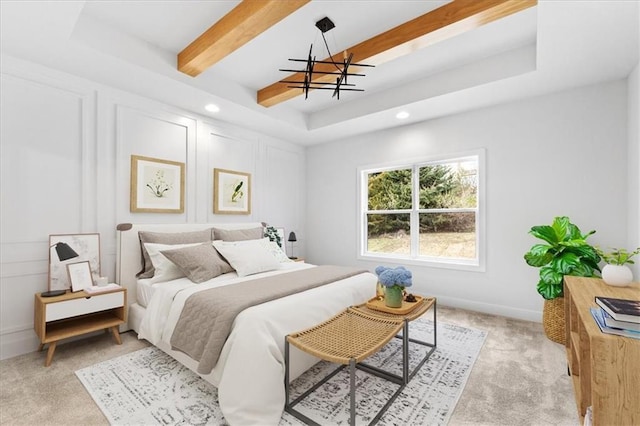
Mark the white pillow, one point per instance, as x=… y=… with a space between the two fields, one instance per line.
x=165 y=270
x=247 y=257
x=275 y=250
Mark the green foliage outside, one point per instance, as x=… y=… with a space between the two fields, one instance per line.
x=441 y=186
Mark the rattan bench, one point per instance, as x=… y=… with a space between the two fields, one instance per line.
x=347 y=339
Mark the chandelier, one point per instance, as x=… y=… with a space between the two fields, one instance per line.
x=315 y=67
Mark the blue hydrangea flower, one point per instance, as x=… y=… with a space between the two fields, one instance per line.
x=389 y=277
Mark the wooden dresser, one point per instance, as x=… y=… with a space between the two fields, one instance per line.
x=605 y=368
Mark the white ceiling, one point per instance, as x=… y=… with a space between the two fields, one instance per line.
x=132 y=45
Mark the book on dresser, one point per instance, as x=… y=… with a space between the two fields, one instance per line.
x=614 y=323
x=620 y=309
x=101 y=289
x=598 y=315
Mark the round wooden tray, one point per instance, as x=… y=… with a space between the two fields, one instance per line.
x=378 y=305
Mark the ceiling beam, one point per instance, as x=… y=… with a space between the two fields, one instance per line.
x=243 y=23
x=447 y=21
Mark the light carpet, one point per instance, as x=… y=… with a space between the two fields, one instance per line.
x=148 y=387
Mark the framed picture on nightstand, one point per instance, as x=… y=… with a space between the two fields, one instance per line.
x=80 y=275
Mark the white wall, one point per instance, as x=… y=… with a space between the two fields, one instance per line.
x=65 y=149
x=560 y=154
x=633 y=99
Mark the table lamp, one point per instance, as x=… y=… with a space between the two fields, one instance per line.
x=64 y=252
x=292 y=239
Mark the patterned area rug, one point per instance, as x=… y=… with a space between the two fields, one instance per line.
x=148 y=387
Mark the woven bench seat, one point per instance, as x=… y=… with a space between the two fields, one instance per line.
x=348 y=335
x=347 y=339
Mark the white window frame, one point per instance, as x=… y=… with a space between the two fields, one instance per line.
x=477 y=264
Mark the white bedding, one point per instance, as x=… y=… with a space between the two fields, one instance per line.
x=250 y=372
x=144 y=292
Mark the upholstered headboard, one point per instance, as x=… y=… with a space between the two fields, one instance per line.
x=129 y=257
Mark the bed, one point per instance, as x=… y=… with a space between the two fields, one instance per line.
x=249 y=372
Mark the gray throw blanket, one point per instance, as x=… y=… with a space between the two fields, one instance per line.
x=207 y=316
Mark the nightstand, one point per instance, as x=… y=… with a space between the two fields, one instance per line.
x=73 y=314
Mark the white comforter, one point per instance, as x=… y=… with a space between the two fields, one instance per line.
x=250 y=372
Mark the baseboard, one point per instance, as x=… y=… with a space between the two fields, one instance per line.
x=26 y=341
x=18 y=343
x=488 y=308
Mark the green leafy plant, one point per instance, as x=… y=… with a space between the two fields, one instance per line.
x=273 y=235
x=566 y=252
x=617 y=256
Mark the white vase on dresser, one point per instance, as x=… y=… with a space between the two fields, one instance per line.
x=617 y=275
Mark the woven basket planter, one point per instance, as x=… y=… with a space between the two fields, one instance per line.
x=553 y=319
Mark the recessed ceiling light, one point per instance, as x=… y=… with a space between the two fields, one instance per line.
x=402 y=115
x=212 y=108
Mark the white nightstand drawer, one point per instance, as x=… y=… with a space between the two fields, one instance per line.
x=75 y=307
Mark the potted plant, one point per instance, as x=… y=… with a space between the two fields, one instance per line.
x=394 y=280
x=565 y=251
x=616 y=272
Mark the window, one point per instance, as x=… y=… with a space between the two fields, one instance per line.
x=425 y=212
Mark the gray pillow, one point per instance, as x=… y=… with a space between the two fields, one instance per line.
x=168 y=238
x=199 y=263
x=238 y=234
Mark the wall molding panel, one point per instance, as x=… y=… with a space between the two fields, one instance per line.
x=62 y=146
x=66 y=147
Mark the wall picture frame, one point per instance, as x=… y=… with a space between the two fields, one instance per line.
x=79 y=275
x=157 y=186
x=231 y=192
x=87 y=248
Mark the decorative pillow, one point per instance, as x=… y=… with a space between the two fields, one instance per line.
x=275 y=250
x=237 y=234
x=247 y=257
x=164 y=269
x=199 y=263
x=168 y=238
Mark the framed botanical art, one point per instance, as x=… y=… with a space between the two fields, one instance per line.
x=231 y=192
x=79 y=275
x=69 y=249
x=157 y=186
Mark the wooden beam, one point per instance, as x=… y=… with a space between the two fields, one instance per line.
x=447 y=21
x=243 y=23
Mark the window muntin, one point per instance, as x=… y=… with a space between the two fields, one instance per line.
x=427 y=211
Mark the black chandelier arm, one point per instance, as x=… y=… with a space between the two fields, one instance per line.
x=313 y=84
x=323 y=73
x=329 y=62
x=327 y=88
